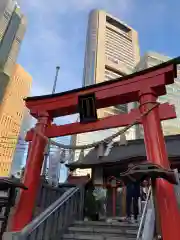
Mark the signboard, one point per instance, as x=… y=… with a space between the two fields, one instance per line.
x=87 y=108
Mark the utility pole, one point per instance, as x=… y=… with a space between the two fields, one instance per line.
x=55 y=80
x=47 y=151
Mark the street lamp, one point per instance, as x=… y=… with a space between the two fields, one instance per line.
x=48 y=144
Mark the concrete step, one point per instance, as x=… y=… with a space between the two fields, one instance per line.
x=94 y=237
x=102 y=231
x=112 y=225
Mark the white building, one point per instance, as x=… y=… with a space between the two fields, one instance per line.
x=112 y=51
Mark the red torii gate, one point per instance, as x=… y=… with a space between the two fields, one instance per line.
x=143 y=87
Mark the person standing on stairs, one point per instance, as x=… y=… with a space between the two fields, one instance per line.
x=90 y=203
x=132 y=196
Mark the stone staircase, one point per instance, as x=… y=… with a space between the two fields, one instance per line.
x=83 y=230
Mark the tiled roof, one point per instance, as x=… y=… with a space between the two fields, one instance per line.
x=135 y=149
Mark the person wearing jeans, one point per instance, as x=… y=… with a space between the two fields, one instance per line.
x=132 y=196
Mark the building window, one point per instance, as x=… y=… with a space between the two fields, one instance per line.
x=117 y=24
x=114 y=60
x=122 y=108
x=18 y=40
x=109 y=75
x=7 y=15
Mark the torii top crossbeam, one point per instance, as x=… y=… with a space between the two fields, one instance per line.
x=119 y=91
x=110 y=93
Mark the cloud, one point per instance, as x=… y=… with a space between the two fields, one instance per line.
x=56 y=35
x=53 y=38
x=57 y=29
x=40 y=47
x=55 y=6
x=38 y=89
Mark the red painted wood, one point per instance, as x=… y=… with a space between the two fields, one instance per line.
x=117 y=92
x=156 y=153
x=25 y=206
x=166 y=111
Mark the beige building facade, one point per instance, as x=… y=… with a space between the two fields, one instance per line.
x=112 y=51
x=11 y=115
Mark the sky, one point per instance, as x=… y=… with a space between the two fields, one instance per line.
x=56 y=35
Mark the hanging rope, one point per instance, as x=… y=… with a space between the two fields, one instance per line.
x=106 y=140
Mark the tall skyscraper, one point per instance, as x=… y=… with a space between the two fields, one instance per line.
x=11 y=116
x=112 y=51
x=21 y=146
x=171 y=126
x=12 y=29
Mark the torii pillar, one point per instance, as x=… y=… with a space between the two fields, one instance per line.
x=143 y=87
x=168 y=211
x=23 y=211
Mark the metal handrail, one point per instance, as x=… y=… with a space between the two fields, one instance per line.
x=143 y=214
x=47 y=195
x=50 y=210
x=52 y=223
